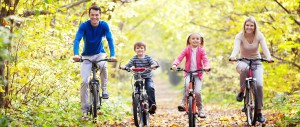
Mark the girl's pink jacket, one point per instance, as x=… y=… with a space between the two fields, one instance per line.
x=200 y=58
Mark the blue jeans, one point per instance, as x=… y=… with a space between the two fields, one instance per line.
x=150 y=91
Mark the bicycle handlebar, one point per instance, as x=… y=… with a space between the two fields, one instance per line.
x=256 y=59
x=199 y=70
x=138 y=69
x=106 y=59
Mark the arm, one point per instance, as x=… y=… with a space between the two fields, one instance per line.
x=204 y=59
x=178 y=60
x=77 y=39
x=265 y=48
x=110 y=40
x=236 y=48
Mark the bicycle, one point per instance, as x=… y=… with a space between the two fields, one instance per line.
x=190 y=106
x=94 y=95
x=251 y=95
x=140 y=103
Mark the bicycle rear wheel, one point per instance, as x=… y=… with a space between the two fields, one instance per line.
x=136 y=110
x=190 y=113
x=251 y=102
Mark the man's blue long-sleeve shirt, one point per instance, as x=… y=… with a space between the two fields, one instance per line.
x=92 y=36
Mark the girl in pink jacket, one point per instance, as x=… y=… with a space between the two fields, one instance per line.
x=195 y=59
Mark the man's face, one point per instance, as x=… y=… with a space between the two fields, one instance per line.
x=95 y=17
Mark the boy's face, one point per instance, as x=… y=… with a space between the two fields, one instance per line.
x=140 y=50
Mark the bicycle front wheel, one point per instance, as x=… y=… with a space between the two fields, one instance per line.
x=190 y=113
x=94 y=96
x=251 y=102
x=136 y=110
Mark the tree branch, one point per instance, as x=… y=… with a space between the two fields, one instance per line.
x=287 y=11
x=283 y=60
x=29 y=13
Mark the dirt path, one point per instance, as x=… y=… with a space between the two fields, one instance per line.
x=167 y=100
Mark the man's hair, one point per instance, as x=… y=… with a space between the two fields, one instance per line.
x=139 y=44
x=94 y=7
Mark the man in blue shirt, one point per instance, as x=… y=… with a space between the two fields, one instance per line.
x=92 y=31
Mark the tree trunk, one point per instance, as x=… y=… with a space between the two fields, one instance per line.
x=11 y=4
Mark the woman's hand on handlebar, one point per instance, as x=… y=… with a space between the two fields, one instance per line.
x=232 y=59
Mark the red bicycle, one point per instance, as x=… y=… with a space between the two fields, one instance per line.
x=251 y=95
x=191 y=107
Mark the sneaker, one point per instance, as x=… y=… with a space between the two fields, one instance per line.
x=260 y=118
x=181 y=108
x=105 y=94
x=240 y=96
x=152 y=109
x=84 y=117
x=202 y=114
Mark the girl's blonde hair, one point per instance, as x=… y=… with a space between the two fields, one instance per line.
x=201 y=37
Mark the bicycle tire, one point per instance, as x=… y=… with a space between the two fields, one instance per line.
x=136 y=107
x=250 y=103
x=94 y=96
x=146 y=114
x=190 y=113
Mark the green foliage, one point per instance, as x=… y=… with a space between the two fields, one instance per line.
x=44 y=82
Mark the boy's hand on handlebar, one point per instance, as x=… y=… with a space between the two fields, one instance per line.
x=76 y=58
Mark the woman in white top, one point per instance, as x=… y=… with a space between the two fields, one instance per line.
x=247 y=43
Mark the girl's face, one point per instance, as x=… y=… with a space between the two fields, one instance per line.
x=194 y=40
x=249 y=27
x=140 y=50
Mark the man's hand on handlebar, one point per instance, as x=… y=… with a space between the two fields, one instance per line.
x=76 y=58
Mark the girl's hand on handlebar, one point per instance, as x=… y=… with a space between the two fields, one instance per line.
x=206 y=69
x=174 y=67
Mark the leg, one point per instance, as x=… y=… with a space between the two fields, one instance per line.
x=103 y=74
x=85 y=74
x=198 y=91
x=258 y=75
x=242 y=69
x=151 y=94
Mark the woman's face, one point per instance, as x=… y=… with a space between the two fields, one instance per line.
x=249 y=27
x=194 y=40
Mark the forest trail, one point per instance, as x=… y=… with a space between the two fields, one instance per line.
x=167 y=115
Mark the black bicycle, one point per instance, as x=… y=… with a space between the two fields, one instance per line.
x=140 y=103
x=94 y=96
x=251 y=95
x=190 y=106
